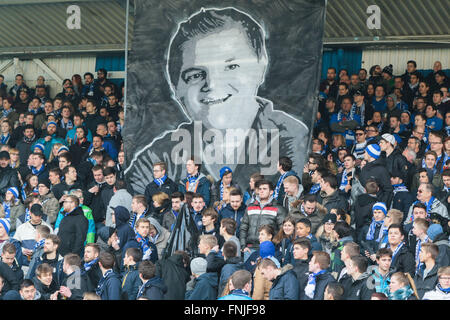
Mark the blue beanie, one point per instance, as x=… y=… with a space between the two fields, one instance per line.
x=14 y=191
x=373 y=150
x=223 y=171
x=6 y=224
x=40 y=146
x=434 y=230
x=266 y=249
x=52 y=122
x=380 y=206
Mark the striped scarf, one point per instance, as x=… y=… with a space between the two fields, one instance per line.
x=38 y=244
x=27 y=215
x=88 y=265
x=373 y=226
x=394 y=254
x=419 y=264
x=68 y=125
x=7 y=207
x=5 y=139
x=315 y=188
x=362 y=111
x=133 y=219
x=7 y=112
x=159 y=182
x=279 y=183
x=36 y=171
x=144 y=243
x=102 y=282
x=311 y=286
x=399 y=188
x=344 y=180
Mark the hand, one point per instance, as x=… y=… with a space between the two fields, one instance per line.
x=305 y=168
x=340 y=169
x=115 y=245
x=330 y=157
x=48 y=138
x=347 y=187
x=247 y=250
x=94 y=190
x=65 y=291
x=318 y=116
x=215 y=248
x=363 y=163
x=54 y=296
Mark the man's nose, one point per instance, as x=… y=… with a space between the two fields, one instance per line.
x=212 y=78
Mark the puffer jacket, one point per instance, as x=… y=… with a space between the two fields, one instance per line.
x=130 y=282
x=17 y=209
x=232 y=265
x=333 y=201
x=236 y=215
x=255 y=216
x=285 y=286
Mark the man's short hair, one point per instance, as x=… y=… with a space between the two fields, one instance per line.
x=285 y=163
x=396 y=216
x=141 y=221
x=305 y=221
x=229 y=224
x=43 y=230
x=26 y=284
x=303 y=243
x=432 y=249
x=383 y=252
x=108 y=171
x=229 y=249
x=331 y=180
x=310 y=198
x=208 y=21
x=44 y=268
x=342 y=229
x=266 y=262
x=360 y=262
x=54 y=239
x=140 y=198
x=264 y=182
x=67 y=156
x=107 y=260
x=336 y=290
x=56 y=171
x=371 y=186
x=322 y=258
x=210 y=212
x=135 y=253
x=267 y=228
x=397 y=226
x=147 y=269
x=240 y=278
x=9 y=248
x=72 y=259
x=209 y=240
x=422 y=223
x=162 y=165
x=235 y=192
x=352 y=249
x=291 y=180
x=94 y=246
x=177 y=195
x=198 y=195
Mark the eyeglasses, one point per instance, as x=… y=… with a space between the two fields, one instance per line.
x=311 y=162
x=360 y=134
x=436 y=142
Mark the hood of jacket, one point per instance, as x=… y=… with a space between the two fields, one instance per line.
x=286 y=268
x=157 y=226
x=365 y=199
x=211 y=278
x=122 y=215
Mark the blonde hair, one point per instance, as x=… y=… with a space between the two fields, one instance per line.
x=209 y=240
x=160 y=197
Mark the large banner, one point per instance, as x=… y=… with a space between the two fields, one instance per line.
x=225 y=83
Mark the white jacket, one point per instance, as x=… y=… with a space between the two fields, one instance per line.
x=26 y=234
x=436 y=294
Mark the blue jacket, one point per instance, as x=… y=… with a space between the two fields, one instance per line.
x=130 y=282
x=285 y=286
x=109 y=147
x=232 y=265
x=203 y=187
x=153 y=289
x=236 y=215
x=322 y=280
x=48 y=146
x=235 y=295
x=205 y=287
x=109 y=287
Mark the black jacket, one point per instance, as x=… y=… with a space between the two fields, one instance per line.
x=334 y=201
x=322 y=280
x=301 y=269
x=395 y=162
x=94 y=274
x=404 y=261
x=285 y=286
x=72 y=232
x=377 y=170
x=45 y=291
x=362 y=215
x=153 y=289
x=427 y=284
x=175 y=276
x=25 y=149
x=8 y=179
x=9 y=278
x=358 y=289
x=95 y=201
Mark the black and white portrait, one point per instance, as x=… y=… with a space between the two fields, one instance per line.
x=216 y=63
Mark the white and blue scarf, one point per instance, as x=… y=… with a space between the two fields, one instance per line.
x=102 y=281
x=36 y=171
x=394 y=254
x=38 y=244
x=362 y=111
x=279 y=183
x=400 y=188
x=5 y=139
x=418 y=247
x=344 y=180
x=88 y=265
x=67 y=126
x=144 y=243
x=133 y=219
x=315 y=188
x=311 y=286
x=7 y=112
x=159 y=182
x=371 y=232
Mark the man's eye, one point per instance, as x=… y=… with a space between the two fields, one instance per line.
x=231 y=67
x=194 y=76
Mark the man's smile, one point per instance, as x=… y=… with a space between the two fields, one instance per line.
x=210 y=101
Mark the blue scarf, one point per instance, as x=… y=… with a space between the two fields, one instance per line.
x=419 y=264
x=362 y=111
x=315 y=188
x=38 y=244
x=344 y=180
x=221 y=191
x=102 y=281
x=371 y=233
x=446 y=291
x=278 y=187
x=4 y=139
x=133 y=220
x=394 y=254
x=88 y=265
x=7 y=207
x=27 y=215
x=160 y=182
x=399 y=188
x=36 y=171
x=341 y=116
x=143 y=242
x=311 y=286
x=447 y=129
x=7 y=112
x=240 y=292
x=67 y=126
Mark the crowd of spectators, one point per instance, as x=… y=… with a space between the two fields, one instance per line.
x=366 y=219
